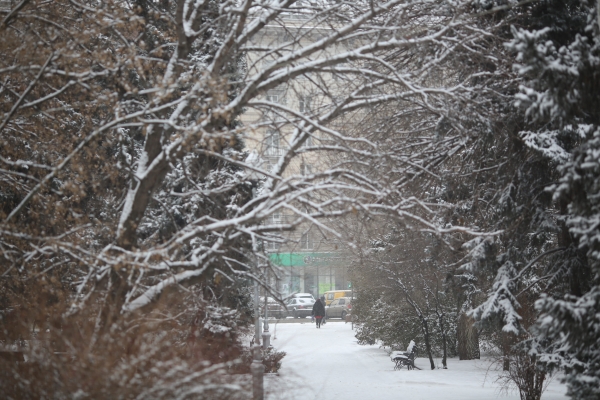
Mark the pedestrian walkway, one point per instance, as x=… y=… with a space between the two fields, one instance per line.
x=327 y=363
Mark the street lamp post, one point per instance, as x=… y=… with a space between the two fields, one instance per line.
x=258 y=370
x=266 y=335
x=256 y=367
x=351 y=315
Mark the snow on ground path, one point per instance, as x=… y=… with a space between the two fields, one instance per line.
x=327 y=363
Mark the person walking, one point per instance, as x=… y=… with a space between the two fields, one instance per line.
x=318 y=311
x=324 y=305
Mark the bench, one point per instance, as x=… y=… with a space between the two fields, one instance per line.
x=404 y=359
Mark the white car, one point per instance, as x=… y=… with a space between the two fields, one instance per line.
x=299 y=307
x=302 y=296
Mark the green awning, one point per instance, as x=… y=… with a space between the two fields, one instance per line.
x=306 y=259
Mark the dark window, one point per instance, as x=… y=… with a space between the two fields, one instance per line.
x=305 y=169
x=273 y=139
x=273 y=98
x=272 y=245
x=302 y=105
x=276 y=217
x=306 y=241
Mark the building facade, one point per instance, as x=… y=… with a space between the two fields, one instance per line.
x=309 y=259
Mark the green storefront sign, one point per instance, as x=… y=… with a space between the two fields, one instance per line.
x=305 y=259
x=318 y=261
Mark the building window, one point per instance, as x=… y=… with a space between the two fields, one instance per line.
x=306 y=241
x=305 y=169
x=272 y=246
x=304 y=104
x=276 y=218
x=273 y=98
x=272 y=143
x=337 y=100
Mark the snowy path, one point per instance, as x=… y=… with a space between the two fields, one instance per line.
x=328 y=364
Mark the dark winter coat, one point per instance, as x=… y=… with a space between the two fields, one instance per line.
x=318 y=308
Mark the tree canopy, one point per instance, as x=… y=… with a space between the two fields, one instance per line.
x=457 y=143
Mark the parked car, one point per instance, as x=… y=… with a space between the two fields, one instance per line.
x=339 y=308
x=299 y=307
x=274 y=308
x=331 y=295
x=302 y=296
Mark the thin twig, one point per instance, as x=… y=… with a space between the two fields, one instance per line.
x=26 y=92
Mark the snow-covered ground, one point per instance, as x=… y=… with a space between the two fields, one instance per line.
x=328 y=364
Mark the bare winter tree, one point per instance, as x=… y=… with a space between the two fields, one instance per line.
x=123 y=170
x=164 y=85
x=135 y=199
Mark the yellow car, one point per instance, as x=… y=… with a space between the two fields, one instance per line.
x=331 y=295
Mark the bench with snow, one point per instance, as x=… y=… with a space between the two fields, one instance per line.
x=405 y=358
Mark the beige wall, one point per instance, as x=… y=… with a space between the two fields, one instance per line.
x=305 y=94
x=302 y=95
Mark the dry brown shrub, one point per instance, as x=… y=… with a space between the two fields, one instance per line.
x=186 y=348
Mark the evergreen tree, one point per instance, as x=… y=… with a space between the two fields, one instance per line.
x=558 y=54
x=555 y=44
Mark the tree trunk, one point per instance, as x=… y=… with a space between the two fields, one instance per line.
x=468 y=338
x=427 y=341
x=506 y=343
x=444 y=338
x=144 y=183
x=113 y=303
